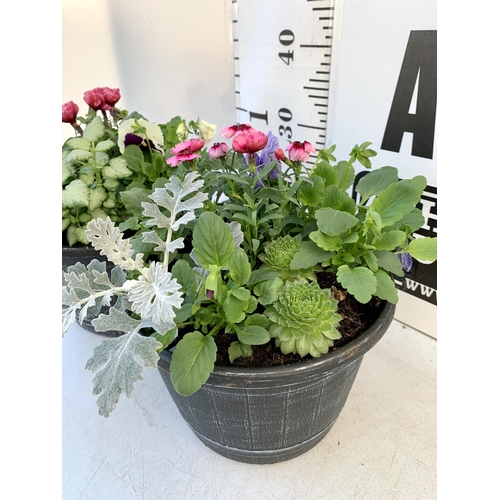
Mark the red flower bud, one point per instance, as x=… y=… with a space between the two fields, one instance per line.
x=69 y=112
x=102 y=98
x=279 y=154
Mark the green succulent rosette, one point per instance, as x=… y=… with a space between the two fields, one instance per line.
x=279 y=253
x=304 y=319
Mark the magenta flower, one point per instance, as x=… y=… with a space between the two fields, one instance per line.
x=300 y=151
x=185 y=151
x=102 y=98
x=69 y=112
x=228 y=132
x=218 y=150
x=249 y=142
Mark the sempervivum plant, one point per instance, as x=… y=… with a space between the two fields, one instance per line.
x=304 y=319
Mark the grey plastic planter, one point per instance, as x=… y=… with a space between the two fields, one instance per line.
x=85 y=255
x=268 y=415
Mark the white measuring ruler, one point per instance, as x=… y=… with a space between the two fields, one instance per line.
x=282 y=62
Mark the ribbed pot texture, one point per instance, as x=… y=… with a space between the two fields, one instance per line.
x=85 y=255
x=268 y=415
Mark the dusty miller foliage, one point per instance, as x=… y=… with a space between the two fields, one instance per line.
x=153 y=297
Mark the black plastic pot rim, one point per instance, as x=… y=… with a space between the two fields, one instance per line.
x=339 y=357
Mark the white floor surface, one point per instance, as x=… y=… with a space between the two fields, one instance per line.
x=382 y=447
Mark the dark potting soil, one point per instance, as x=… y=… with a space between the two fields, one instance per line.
x=356 y=318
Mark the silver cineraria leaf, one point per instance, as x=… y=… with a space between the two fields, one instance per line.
x=171 y=197
x=106 y=237
x=118 y=369
x=237 y=233
x=155 y=295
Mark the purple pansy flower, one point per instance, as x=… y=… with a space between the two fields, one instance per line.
x=406 y=261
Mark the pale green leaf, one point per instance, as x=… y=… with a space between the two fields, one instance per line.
x=345 y=175
x=94 y=130
x=326 y=242
x=98 y=196
x=76 y=194
x=234 y=307
x=78 y=155
x=193 y=361
x=360 y=282
x=311 y=191
x=105 y=145
x=117 y=169
x=118 y=369
x=424 y=249
x=79 y=143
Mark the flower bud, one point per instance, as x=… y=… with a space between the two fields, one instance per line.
x=69 y=112
x=218 y=150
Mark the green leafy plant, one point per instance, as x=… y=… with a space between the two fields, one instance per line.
x=114 y=161
x=237 y=237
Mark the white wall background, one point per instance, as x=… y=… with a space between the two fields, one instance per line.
x=167 y=57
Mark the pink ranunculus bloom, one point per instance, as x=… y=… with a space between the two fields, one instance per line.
x=102 y=98
x=69 y=112
x=279 y=154
x=228 y=132
x=185 y=151
x=218 y=150
x=300 y=151
x=249 y=142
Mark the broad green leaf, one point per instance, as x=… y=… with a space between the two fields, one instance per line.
x=239 y=350
x=398 y=199
x=386 y=289
x=234 y=307
x=390 y=240
x=94 y=130
x=118 y=369
x=389 y=262
x=268 y=290
x=360 y=282
x=307 y=255
x=311 y=191
x=182 y=271
x=193 y=361
x=213 y=242
x=258 y=320
x=339 y=200
x=345 y=175
x=376 y=181
x=327 y=172
x=134 y=157
x=412 y=222
x=264 y=273
x=326 y=242
x=424 y=249
x=133 y=198
x=239 y=267
x=334 y=222
x=252 y=334
x=371 y=260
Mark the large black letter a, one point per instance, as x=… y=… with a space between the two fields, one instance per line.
x=420 y=56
